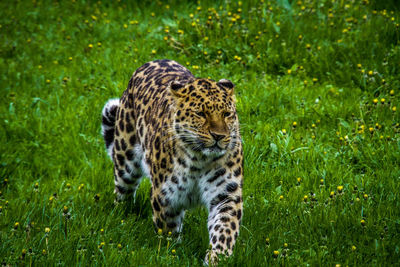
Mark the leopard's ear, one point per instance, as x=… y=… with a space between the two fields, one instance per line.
x=177 y=88
x=227 y=85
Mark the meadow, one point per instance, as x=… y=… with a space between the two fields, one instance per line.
x=317 y=87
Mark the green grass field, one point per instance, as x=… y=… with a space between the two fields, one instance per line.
x=317 y=84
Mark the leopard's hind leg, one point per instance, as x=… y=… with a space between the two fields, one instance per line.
x=120 y=138
x=127 y=167
x=126 y=178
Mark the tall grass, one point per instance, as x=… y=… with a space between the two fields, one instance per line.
x=317 y=84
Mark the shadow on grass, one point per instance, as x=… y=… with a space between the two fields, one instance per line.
x=140 y=206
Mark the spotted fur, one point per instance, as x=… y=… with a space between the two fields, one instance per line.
x=183 y=133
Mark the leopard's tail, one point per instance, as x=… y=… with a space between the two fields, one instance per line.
x=108 y=123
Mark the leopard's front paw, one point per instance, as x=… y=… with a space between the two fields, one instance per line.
x=211 y=258
x=119 y=198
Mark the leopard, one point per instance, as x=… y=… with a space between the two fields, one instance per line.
x=183 y=133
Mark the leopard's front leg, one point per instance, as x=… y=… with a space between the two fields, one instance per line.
x=224 y=219
x=165 y=216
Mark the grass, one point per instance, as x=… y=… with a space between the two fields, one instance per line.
x=317 y=84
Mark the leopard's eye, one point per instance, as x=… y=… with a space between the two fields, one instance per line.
x=227 y=114
x=201 y=114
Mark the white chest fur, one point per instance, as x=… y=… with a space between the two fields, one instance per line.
x=193 y=184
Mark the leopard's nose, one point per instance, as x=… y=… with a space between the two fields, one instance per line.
x=217 y=136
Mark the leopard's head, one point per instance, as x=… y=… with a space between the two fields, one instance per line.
x=205 y=118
